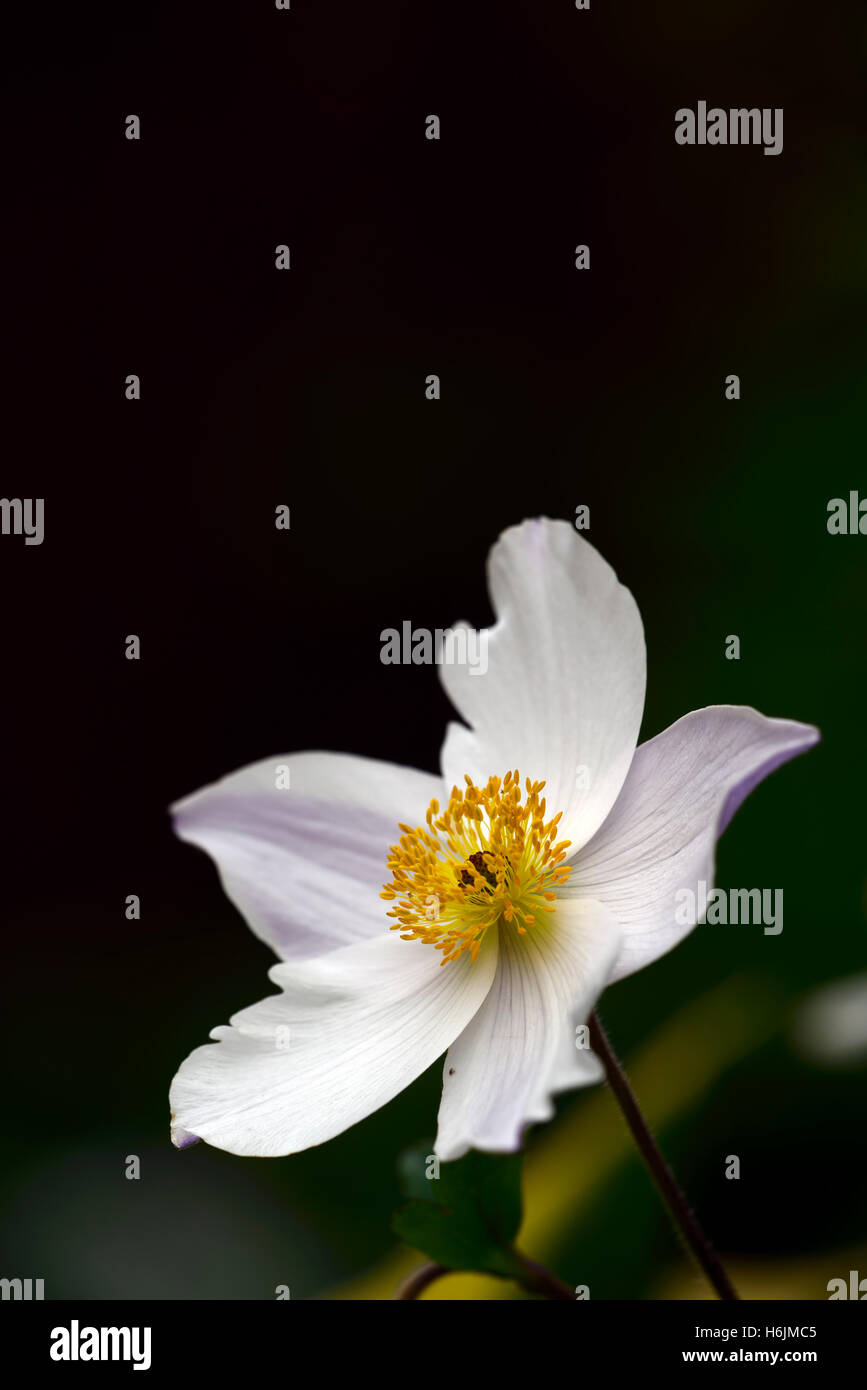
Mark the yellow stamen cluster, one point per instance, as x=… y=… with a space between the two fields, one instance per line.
x=489 y=857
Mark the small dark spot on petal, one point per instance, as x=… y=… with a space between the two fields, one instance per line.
x=451 y=1071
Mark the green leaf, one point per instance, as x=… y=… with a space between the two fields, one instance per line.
x=469 y=1216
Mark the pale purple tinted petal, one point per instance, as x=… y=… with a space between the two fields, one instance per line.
x=682 y=790
x=182 y=1139
x=305 y=864
x=739 y=793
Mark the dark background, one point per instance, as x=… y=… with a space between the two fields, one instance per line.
x=306 y=388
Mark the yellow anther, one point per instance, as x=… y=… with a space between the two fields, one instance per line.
x=489 y=858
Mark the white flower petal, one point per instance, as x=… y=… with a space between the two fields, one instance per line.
x=683 y=788
x=564 y=687
x=501 y=1072
x=305 y=864
x=349 y=1031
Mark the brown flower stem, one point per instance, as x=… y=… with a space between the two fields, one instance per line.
x=662 y=1175
x=537 y=1279
x=529 y=1273
x=419 y=1280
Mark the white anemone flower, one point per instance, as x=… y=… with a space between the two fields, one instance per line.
x=532 y=903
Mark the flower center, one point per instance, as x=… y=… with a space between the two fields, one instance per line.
x=490 y=857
